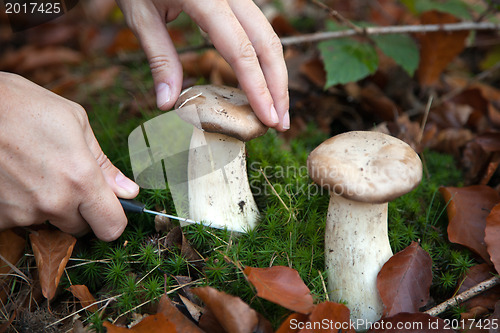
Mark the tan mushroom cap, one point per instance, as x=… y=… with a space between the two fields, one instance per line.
x=365 y=166
x=223 y=110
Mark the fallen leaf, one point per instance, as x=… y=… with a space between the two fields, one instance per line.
x=176 y=238
x=194 y=310
x=52 y=250
x=12 y=249
x=153 y=323
x=263 y=326
x=405 y=280
x=475 y=275
x=231 y=312
x=329 y=317
x=181 y=322
x=492 y=236
x=209 y=323
x=293 y=323
x=84 y=296
x=495 y=318
x=438 y=49
x=411 y=323
x=467 y=211
x=281 y=285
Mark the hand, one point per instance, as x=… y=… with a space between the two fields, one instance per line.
x=238 y=30
x=51 y=166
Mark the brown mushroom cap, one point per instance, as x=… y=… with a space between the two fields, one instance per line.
x=223 y=110
x=365 y=166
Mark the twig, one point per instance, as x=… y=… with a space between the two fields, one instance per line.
x=339 y=17
x=424 y=120
x=402 y=29
x=466 y=295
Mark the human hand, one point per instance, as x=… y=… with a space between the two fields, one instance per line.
x=238 y=30
x=51 y=165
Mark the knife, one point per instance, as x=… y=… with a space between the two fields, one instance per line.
x=134 y=206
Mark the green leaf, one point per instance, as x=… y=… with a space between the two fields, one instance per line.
x=401 y=48
x=457 y=8
x=347 y=60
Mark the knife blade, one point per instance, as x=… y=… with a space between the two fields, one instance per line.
x=134 y=206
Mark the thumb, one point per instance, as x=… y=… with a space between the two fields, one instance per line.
x=163 y=59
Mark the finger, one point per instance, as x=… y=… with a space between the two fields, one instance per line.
x=103 y=212
x=73 y=224
x=231 y=40
x=150 y=29
x=122 y=186
x=269 y=52
x=99 y=203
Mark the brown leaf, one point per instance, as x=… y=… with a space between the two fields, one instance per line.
x=411 y=323
x=404 y=280
x=153 y=323
x=181 y=322
x=84 y=296
x=329 y=317
x=475 y=275
x=176 y=238
x=209 y=323
x=12 y=249
x=467 y=211
x=281 y=285
x=495 y=318
x=492 y=236
x=438 y=49
x=52 y=249
x=231 y=312
x=293 y=323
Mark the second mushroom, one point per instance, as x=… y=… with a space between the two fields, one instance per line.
x=363 y=171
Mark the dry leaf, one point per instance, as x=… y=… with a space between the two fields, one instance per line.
x=438 y=49
x=475 y=275
x=467 y=211
x=495 y=318
x=209 y=323
x=492 y=236
x=231 y=312
x=154 y=323
x=281 y=285
x=404 y=280
x=411 y=323
x=293 y=323
x=181 y=322
x=331 y=317
x=52 y=250
x=84 y=296
x=12 y=249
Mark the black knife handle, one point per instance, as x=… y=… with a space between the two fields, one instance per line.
x=133 y=206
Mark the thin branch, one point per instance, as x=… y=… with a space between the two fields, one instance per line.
x=402 y=29
x=466 y=295
x=339 y=17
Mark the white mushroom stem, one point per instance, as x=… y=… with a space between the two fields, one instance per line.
x=356 y=248
x=218 y=187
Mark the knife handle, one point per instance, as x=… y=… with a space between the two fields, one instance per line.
x=133 y=206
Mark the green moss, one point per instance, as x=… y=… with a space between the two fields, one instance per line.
x=290 y=233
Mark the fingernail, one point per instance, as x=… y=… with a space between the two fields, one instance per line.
x=286 y=121
x=274 y=115
x=162 y=94
x=126 y=183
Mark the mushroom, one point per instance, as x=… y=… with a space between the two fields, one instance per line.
x=363 y=171
x=218 y=189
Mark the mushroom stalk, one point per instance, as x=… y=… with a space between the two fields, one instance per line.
x=218 y=187
x=356 y=248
